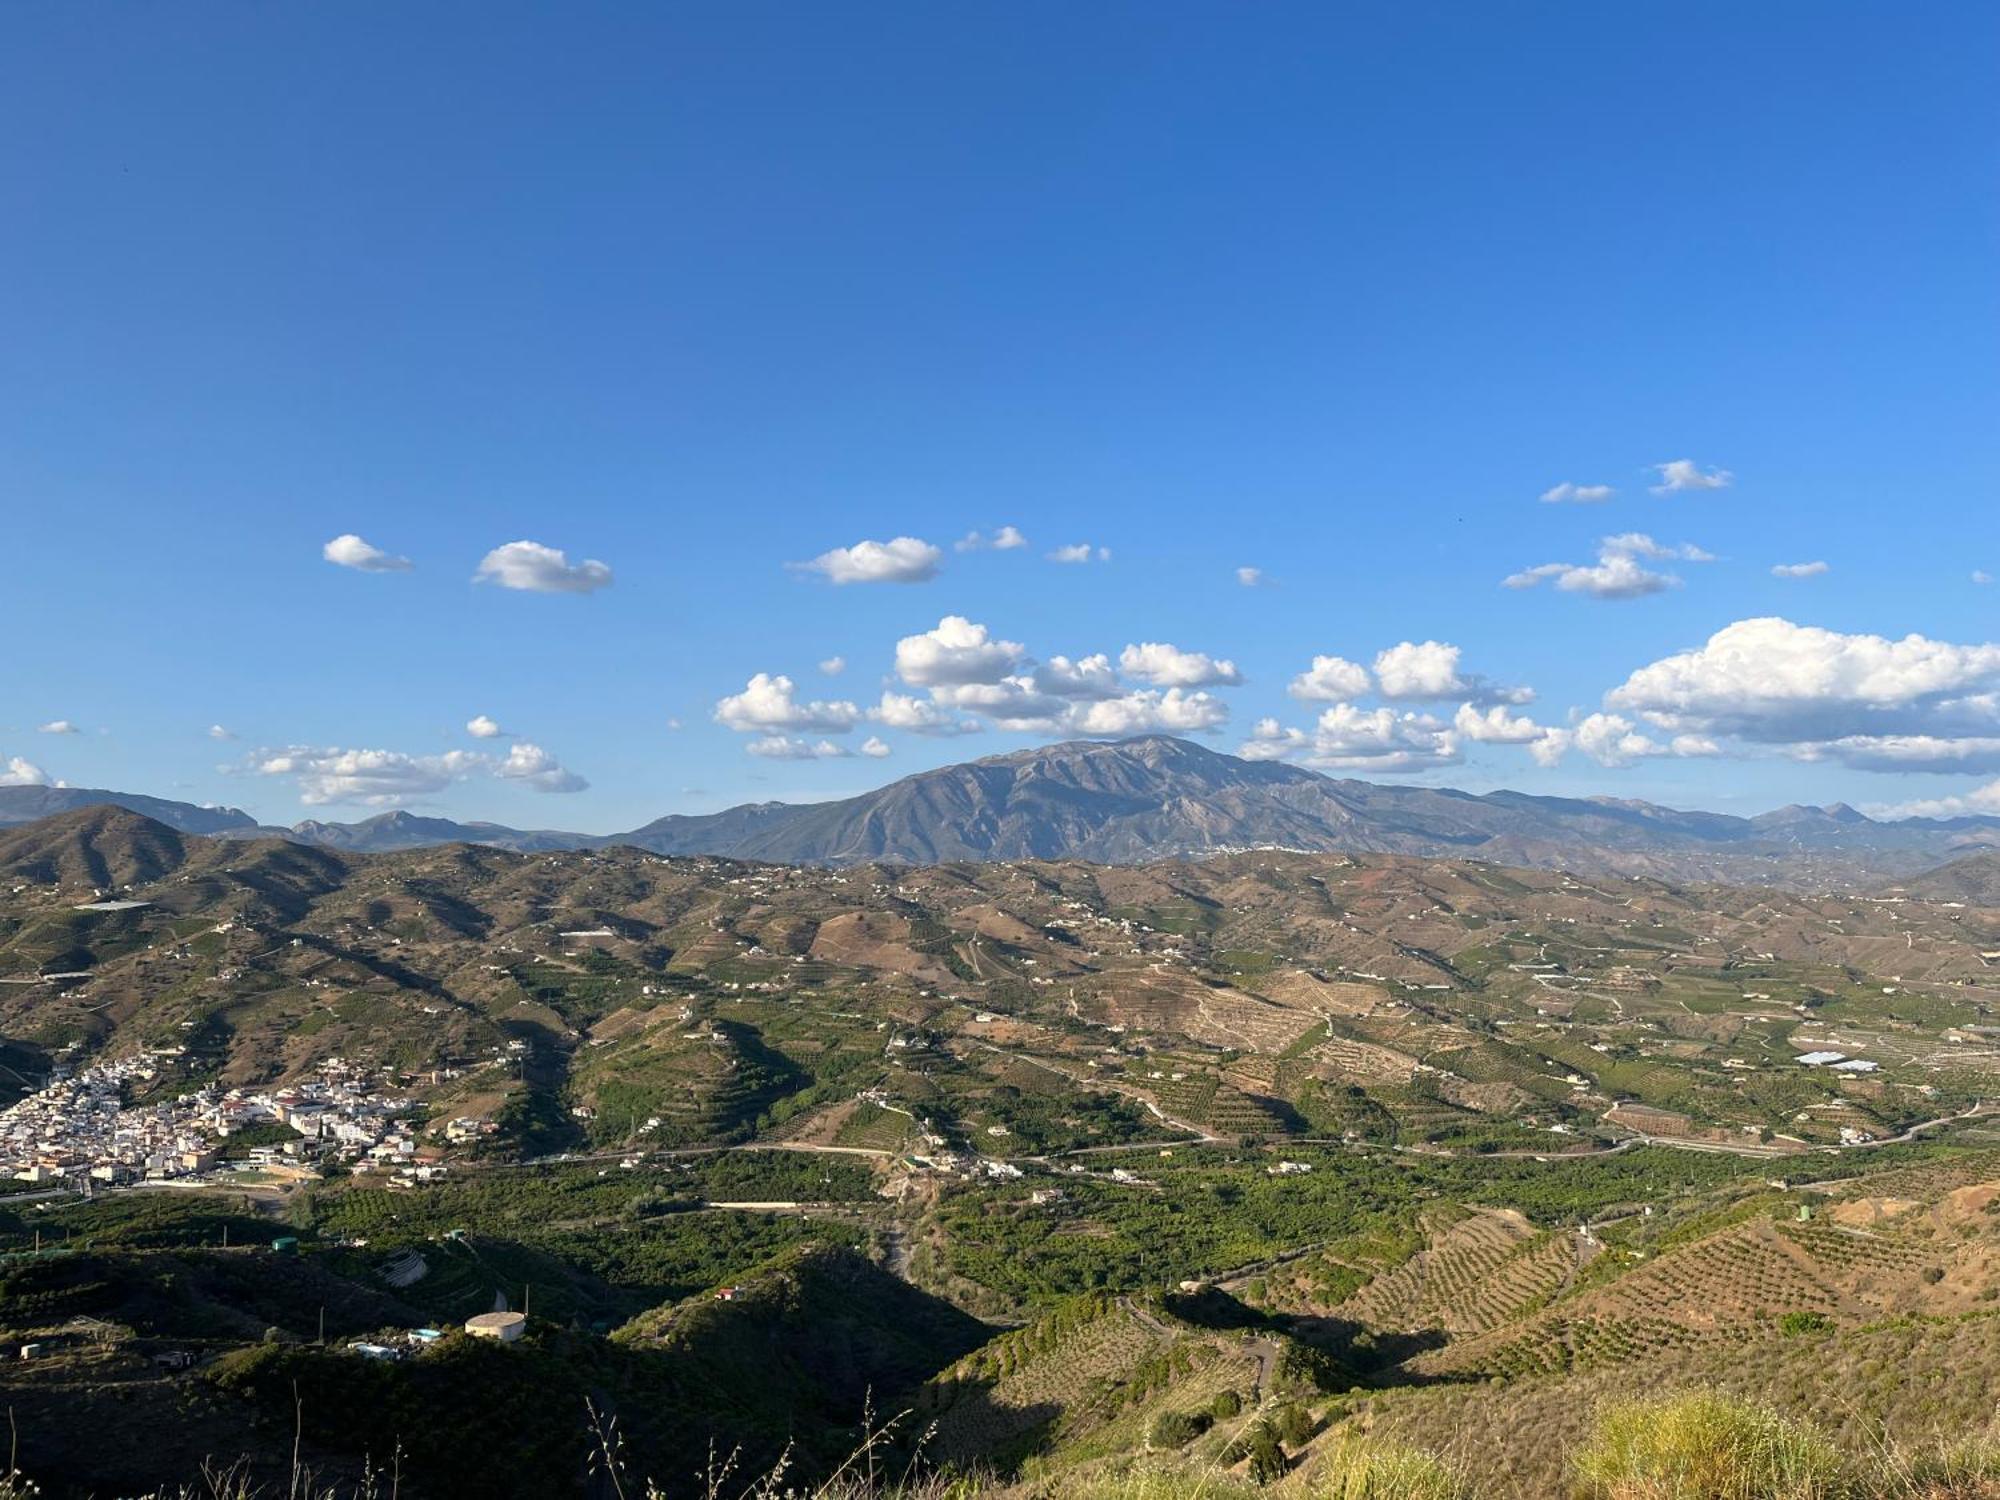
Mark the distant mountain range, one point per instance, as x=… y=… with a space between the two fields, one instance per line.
x=1137 y=800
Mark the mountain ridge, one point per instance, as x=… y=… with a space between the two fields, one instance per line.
x=1155 y=797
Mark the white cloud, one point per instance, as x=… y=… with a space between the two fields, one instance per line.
x=1798 y=570
x=1013 y=704
x=16 y=771
x=1617 y=573
x=536 y=769
x=1250 y=578
x=1349 y=738
x=1086 y=677
x=390 y=778
x=833 y=666
x=1080 y=552
x=1165 y=665
x=767 y=703
x=1681 y=474
x=219 y=732
x=956 y=652
x=58 y=726
x=350 y=551
x=1980 y=575
x=1496 y=725
x=1980 y=802
x=1771 y=681
x=786 y=747
x=1614 y=740
x=1330 y=679
x=1006 y=539
x=904 y=559
x=376 y=778
x=540 y=570
x=916 y=715
x=1969 y=754
x=875 y=746
x=480 y=727
x=1577 y=494
x=1147 y=712
x=1427 y=671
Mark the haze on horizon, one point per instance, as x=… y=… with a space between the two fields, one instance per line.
x=565 y=419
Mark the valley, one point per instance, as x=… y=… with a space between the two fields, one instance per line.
x=1066 y=1159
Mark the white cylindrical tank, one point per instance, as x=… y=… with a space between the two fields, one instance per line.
x=504 y=1326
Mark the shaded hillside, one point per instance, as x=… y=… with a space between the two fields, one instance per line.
x=1974 y=880
x=104 y=847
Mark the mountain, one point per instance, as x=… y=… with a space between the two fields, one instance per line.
x=1136 y=800
x=1154 y=797
x=26 y=804
x=387 y=832
x=105 y=847
x=1974 y=880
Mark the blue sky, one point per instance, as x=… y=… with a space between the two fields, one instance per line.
x=1332 y=292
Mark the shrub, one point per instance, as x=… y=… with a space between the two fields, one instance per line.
x=1968 y=1470
x=1798 y=1324
x=1226 y=1405
x=1176 y=1429
x=1356 y=1469
x=1704 y=1446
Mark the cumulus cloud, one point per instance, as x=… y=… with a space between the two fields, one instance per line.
x=1166 y=665
x=1080 y=552
x=956 y=652
x=390 y=778
x=1680 y=474
x=1086 y=677
x=1980 y=575
x=903 y=559
x=1496 y=725
x=833 y=666
x=915 y=715
x=57 y=726
x=1618 y=572
x=1866 y=702
x=17 y=771
x=1980 y=802
x=1967 y=754
x=769 y=703
x=1350 y=738
x=536 y=769
x=1614 y=740
x=1771 y=681
x=1251 y=578
x=480 y=727
x=537 y=569
x=219 y=732
x=976 y=680
x=1427 y=671
x=1175 y=711
x=375 y=778
x=1006 y=539
x=789 y=747
x=875 y=746
x=1577 y=494
x=350 y=551
x=1330 y=679
x=1798 y=570
x=1014 y=704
